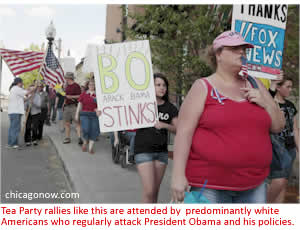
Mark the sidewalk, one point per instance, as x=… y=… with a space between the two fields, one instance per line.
x=95 y=177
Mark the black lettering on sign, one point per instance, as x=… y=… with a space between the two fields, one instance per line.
x=276 y=12
x=259 y=11
x=276 y=16
x=251 y=8
x=284 y=12
x=268 y=11
x=242 y=9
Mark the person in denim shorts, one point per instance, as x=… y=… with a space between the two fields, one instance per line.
x=151 y=147
x=288 y=139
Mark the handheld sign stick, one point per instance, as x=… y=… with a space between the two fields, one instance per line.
x=246 y=75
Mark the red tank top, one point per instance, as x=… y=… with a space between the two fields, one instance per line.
x=231 y=146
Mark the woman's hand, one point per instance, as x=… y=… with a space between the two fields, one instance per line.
x=116 y=142
x=178 y=187
x=160 y=125
x=255 y=96
x=98 y=112
x=278 y=79
x=280 y=76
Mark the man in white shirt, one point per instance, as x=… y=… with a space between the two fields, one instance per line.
x=16 y=110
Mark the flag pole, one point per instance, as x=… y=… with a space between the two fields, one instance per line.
x=39 y=75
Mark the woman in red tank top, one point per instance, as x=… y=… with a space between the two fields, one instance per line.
x=223 y=131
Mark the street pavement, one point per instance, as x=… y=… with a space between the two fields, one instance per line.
x=95 y=177
x=34 y=169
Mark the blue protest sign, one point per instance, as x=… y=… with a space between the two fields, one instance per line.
x=264 y=27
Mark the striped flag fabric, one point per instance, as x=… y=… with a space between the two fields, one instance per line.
x=22 y=61
x=51 y=70
x=244 y=68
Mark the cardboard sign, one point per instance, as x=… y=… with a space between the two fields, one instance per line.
x=264 y=27
x=124 y=85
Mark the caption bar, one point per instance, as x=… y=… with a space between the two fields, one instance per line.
x=159 y=216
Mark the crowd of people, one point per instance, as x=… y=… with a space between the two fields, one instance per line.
x=226 y=130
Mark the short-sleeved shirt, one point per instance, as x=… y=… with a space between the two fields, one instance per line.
x=88 y=101
x=72 y=90
x=16 y=100
x=149 y=140
x=289 y=111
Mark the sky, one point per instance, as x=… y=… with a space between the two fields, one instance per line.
x=77 y=25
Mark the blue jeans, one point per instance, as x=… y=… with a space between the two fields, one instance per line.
x=90 y=125
x=131 y=137
x=255 y=195
x=60 y=114
x=14 y=128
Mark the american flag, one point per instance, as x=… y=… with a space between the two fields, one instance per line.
x=244 y=68
x=22 y=61
x=51 y=70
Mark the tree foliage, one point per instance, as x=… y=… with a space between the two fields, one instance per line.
x=291 y=46
x=179 y=36
x=30 y=77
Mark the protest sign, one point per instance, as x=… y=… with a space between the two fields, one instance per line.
x=124 y=85
x=264 y=27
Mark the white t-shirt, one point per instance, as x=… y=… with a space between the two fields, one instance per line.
x=16 y=100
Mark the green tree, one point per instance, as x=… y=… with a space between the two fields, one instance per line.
x=291 y=46
x=30 y=77
x=179 y=36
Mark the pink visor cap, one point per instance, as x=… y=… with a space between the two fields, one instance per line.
x=230 y=38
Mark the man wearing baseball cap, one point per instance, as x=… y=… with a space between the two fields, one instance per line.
x=73 y=92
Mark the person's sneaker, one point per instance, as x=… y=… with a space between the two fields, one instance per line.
x=67 y=140
x=35 y=143
x=15 y=147
x=80 y=142
x=9 y=146
x=28 y=144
